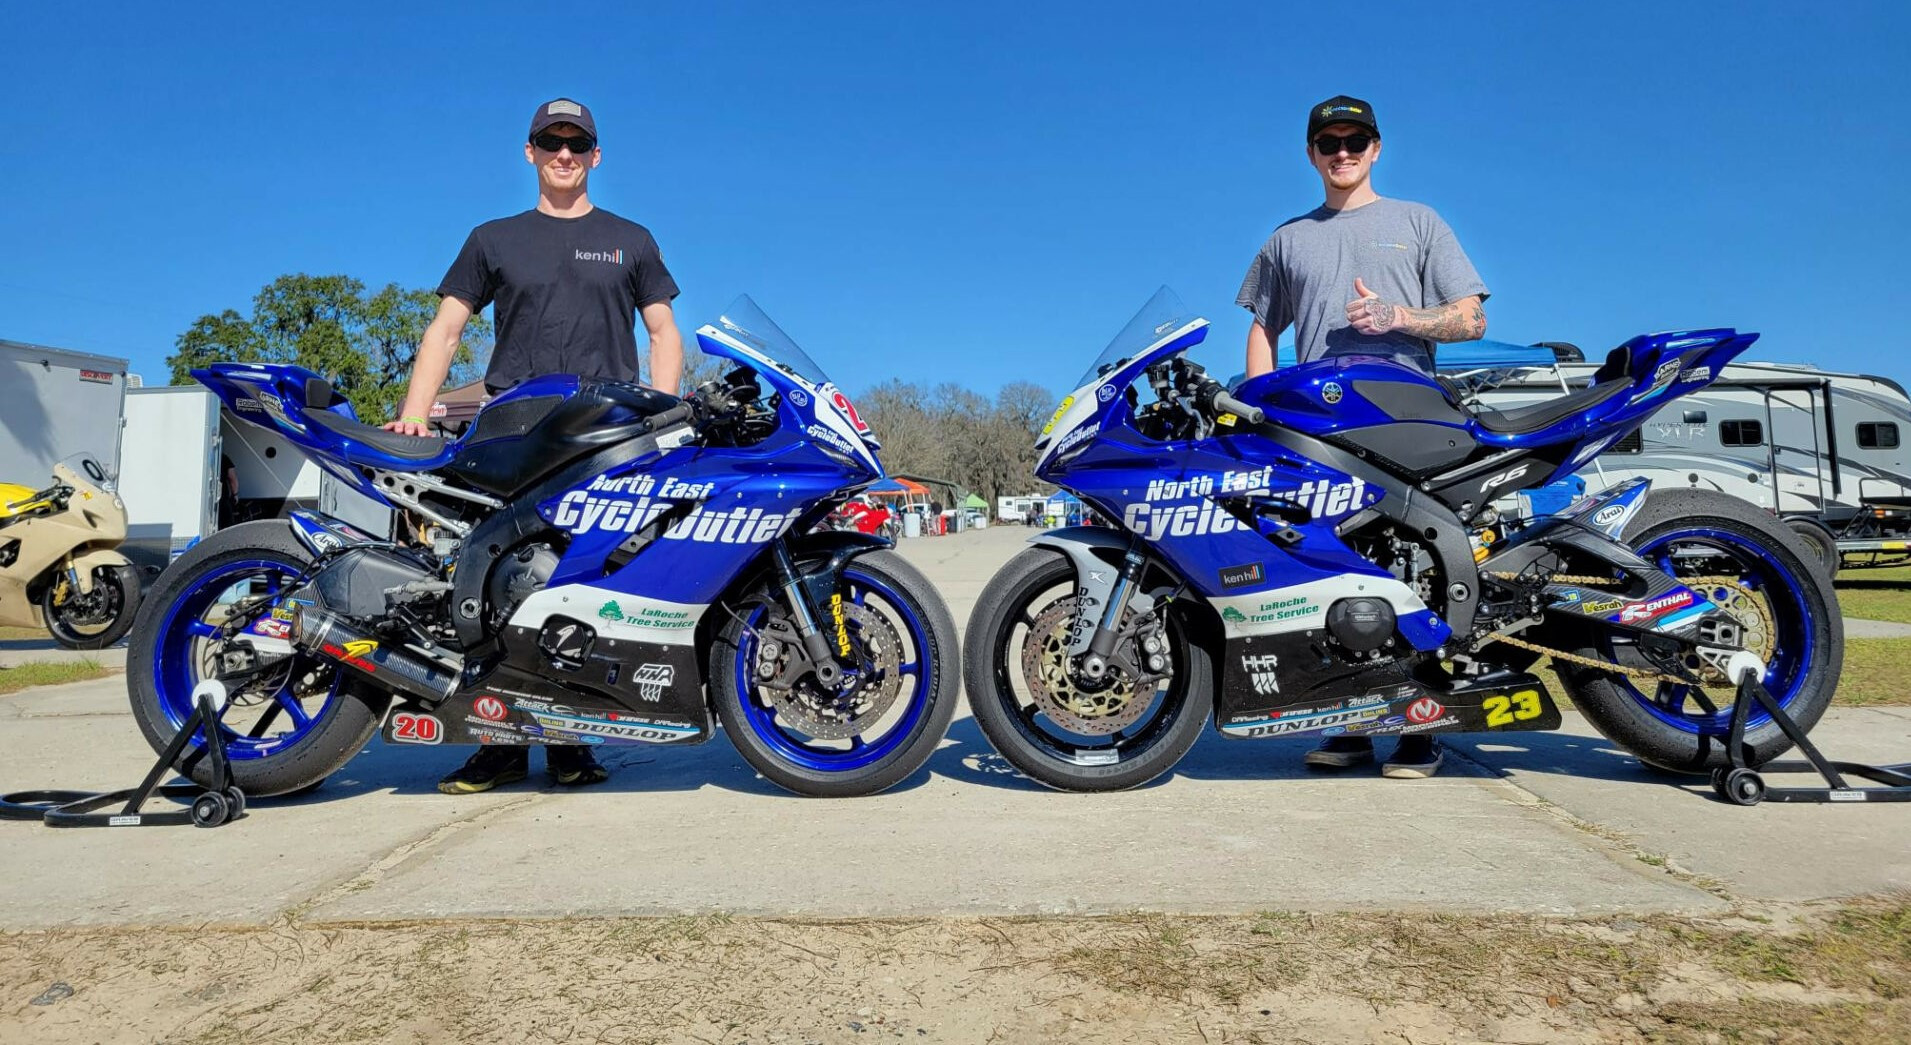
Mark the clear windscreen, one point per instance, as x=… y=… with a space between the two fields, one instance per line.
x=92 y=469
x=1162 y=315
x=747 y=323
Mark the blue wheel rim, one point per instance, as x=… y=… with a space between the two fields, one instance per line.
x=801 y=750
x=1791 y=656
x=176 y=659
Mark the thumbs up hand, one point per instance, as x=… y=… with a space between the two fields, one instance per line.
x=1368 y=314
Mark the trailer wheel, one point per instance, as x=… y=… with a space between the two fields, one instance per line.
x=1819 y=539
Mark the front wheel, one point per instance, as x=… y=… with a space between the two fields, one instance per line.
x=1043 y=720
x=1759 y=570
x=289 y=724
x=877 y=724
x=95 y=619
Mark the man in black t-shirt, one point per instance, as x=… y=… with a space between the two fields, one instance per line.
x=566 y=282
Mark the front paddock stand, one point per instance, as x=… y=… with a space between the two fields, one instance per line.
x=220 y=804
x=1743 y=784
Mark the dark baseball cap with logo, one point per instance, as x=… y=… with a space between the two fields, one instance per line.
x=1341 y=109
x=562 y=110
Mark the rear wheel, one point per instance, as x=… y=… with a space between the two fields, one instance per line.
x=1753 y=565
x=1042 y=719
x=286 y=726
x=1819 y=540
x=95 y=619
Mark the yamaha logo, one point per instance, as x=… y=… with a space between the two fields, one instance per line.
x=1330 y=393
x=799 y=397
x=1105 y=393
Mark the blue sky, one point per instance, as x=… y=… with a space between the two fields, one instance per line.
x=976 y=192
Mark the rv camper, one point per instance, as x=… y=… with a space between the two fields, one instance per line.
x=1822 y=449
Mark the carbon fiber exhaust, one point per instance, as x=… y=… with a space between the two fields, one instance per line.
x=334 y=638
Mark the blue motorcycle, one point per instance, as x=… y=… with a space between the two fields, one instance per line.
x=592 y=562
x=1330 y=550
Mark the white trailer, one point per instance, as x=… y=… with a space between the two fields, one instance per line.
x=55 y=403
x=1825 y=450
x=179 y=441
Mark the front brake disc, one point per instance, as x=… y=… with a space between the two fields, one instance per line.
x=825 y=715
x=1047 y=666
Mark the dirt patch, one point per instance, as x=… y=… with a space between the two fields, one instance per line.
x=1799 y=974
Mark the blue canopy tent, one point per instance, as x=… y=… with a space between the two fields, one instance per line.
x=1066 y=507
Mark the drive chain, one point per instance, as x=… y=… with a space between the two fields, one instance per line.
x=1646 y=674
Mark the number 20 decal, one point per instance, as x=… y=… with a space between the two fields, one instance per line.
x=416 y=729
x=1505 y=710
x=842 y=403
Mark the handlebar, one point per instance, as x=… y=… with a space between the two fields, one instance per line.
x=1253 y=415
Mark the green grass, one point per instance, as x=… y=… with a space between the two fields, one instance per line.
x=1876 y=594
x=22 y=633
x=1877 y=673
x=49 y=673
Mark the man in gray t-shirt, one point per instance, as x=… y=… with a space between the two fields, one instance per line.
x=1361 y=275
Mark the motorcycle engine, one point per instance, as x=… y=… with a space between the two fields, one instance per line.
x=518 y=575
x=1361 y=625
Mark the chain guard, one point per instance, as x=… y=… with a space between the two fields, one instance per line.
x=791 y=687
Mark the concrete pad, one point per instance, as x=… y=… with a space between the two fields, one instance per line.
x=1770 y=851
x=1859 y=628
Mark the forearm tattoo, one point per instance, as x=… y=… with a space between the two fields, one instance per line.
x=1460 y=321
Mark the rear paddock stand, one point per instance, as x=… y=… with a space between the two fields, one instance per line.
x=211 y=807
x=1743 y=784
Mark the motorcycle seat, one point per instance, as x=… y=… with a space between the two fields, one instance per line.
x=397 y=444
x=1524 y=420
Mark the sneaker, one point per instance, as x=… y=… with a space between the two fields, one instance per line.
x=1341 y=752
x=493 y=765
x=1415 y=759
x=574 y=766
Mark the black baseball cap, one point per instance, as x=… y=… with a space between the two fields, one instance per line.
x=1341 y=109
x=562 y=110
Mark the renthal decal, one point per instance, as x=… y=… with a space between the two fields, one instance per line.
x=842 y=623
x=407 y=728
x=1264 y=669
x=1307 y=723
x=653 y=679
x=491 y=709
x=1243 y=576
x=1640 y=612
x=1425 y=710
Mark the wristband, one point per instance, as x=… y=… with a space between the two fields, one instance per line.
x=413 y=417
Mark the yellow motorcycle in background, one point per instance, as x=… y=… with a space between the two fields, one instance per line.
x=60 y=568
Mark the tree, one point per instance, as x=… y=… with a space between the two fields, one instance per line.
x=363 y=344
x=953 y=433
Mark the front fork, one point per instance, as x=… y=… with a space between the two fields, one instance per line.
x=1102 y=644
x=815 y=642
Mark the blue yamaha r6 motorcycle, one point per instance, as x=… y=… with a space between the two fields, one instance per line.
x=1320 y=553
x=583 y=566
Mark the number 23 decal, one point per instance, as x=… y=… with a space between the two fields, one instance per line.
x=1504 y=710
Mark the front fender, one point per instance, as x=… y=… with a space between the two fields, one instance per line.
x=85 y=562
x=1095 y=552
x=821 y=555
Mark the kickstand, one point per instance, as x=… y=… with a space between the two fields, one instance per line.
x=221 y=803
x=1742 y=784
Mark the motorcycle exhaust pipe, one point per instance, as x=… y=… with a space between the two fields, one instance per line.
x=338 y=640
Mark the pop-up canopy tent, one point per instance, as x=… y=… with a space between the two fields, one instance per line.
x=1066 y=507
x=972 y=501
x=901 y=490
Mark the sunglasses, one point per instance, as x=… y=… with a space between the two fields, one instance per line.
x=1330 y=144
x=554 y=142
